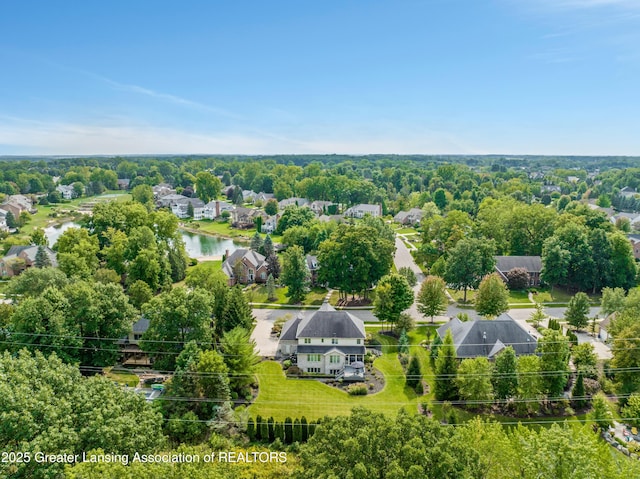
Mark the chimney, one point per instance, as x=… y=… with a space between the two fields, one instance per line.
x=226 y=255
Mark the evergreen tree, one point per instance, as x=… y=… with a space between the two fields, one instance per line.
x=505 y=376
x=305 y=429
x=273 y=266
x=271 y=428
x=279 y=431
x=288 y=431
x=403 y=343
x=267 y=247
x=251 y=429
x=446 y=369
x=264 y=428
x=579 y=401
x=189 y=210
x=11 y=220
x=237 y=312
x=239 y=352
x=42 y=258
x=601 y=412
x=297 y=431
x=414 y=372
x=259 y=421
x=271 y=288
x=256 y=242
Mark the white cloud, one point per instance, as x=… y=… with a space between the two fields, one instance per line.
x=23 y=136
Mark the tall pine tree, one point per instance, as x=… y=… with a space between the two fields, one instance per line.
x=446 y=370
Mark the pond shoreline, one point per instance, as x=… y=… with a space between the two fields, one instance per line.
x=197 y=231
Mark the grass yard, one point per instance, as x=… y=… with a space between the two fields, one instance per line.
x=122 y=377
x=406 y=231
x=459 y=295
x=281 y=397
x=258 y=294
x=516 y=297
x=558 y=295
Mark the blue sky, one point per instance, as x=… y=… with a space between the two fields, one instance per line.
x=251 y=77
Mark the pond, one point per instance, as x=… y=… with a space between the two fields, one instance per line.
x=197 y=245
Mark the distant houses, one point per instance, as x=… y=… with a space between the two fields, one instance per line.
x=19 y=258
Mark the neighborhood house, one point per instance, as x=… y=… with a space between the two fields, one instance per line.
x=486 y=338
x=251 y=267
x=325 y=342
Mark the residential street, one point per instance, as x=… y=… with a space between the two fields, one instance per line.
x=267 y=344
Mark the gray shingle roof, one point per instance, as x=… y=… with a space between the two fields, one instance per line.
x=486 y=338
x=533 y=264
x=329 y=323
x=254 y=258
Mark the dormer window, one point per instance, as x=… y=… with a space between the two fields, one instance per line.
x=307 y=340
x=334 y=340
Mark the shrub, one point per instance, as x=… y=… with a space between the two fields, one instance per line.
x=357 y=389
x=554 y=324
x=517 y=278
x=369 y=358
x=294 y=371
x=419 y=389
x=286 y=364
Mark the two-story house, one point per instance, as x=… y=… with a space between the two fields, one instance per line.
x=215 y=208
x=411 y=217
x=244 y=217
x=293 y=201
x=19 y=258
x=180 y=208
x=245 y=266
x=359 y=211
x=325 y=341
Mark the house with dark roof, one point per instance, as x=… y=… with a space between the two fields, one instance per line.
x=533 y=265
x=132 y=355
x=628 y=192
x=487 y=337
x=325 y=342
x=411 y=217
x=180 y=208
x=244 y=217
x=282 y=204
x=252 y=267
x=19 y=258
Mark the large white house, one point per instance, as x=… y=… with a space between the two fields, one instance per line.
x=214 y=209
x=324 y=341
x=359 y=211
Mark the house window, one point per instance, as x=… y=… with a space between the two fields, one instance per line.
x=334 y=340
x=250 y=274
x=263 y=275
x=313 y=370
x=358 y=341
x=314 y=358
x=307 y=340
x=334 y=371
x=334 y=358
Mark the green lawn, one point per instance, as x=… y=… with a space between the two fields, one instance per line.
x=458 y=295
x=65 y=210
x=557 y=295
x=221 y=229
x=281 y=397
x=519 y=297
x=258 y=294
x=122 y=377
x=407 y=231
